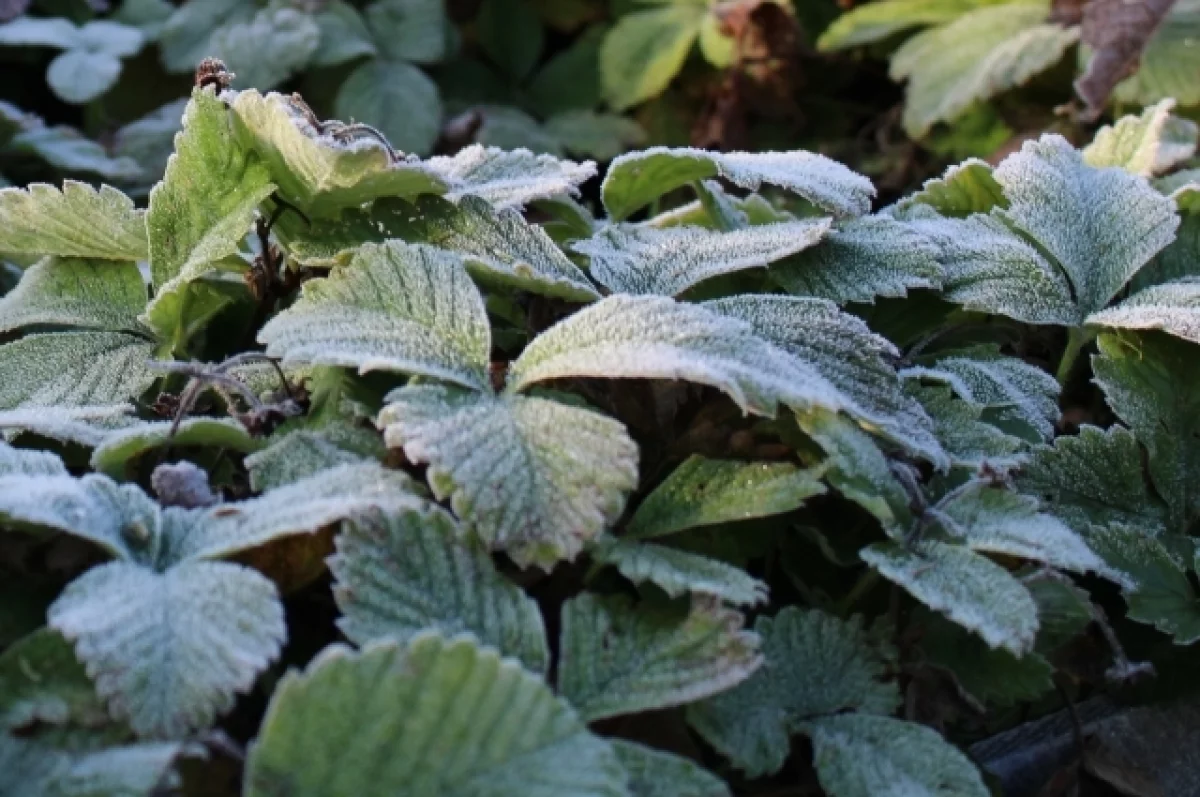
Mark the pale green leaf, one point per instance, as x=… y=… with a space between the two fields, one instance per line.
x=32 y=769
x=644 y=51
x=705 y=492
x=344 y=35
x=1145 y=145
x=872 y=22
x=79 y=75
x=969 y=187
x=861 y=259
x=267 y=50
x=529 y=476
x=169 y=651
x=679 y=572
x=38 y=32
x=87 y=426
x=980 y=54
x=76 y=221
x=121 y=448
x=74 y=369
x=150 y=140
x=602 y=136
x=74 y=292
x=67 y=149
x=501 y=729
x=510 y=179
x=1168 y=64
x=667 y=262
x=182 y=309
x=304 y=452
x=816 y=664
x=41 y=681
x=637 y=179
x=864 y=756
x=108 y=36
x=400 y=307
x=972 y=591
x=407 y=572
x=396 y=97
x=570 y=79
x=654 y=773
x=1173 y=307
x=969 y=441
x=506 y=127
x=620 y=659
x=186 y=36
x=409 y=30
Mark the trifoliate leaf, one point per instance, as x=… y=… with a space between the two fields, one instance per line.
x=679 y=572
x=267 y=50
x=970 y=187
x=529 y=476
x=41 y=681
x=991 y=676
x=644 y=51
x=123 y=447
x=398 y=575
x=73 y=292
x=856 y=755
x=1145 y=145
x=396 y=97
x=76 y=221
x=87 y=426
x=1173 y=307
x=304 y=452
x=876 y=21
x=861 y=259
x=618 y=659
x=74 y=369
x=323 y=170
x=206 y=202
x=972 y=591
x=509 y=179
x=983 y=52
x=1093 y=479
x=637 y=179
x=409 y=30
x=969 y=441
x=391 y=705
x=31 y=768
x=654 y=773
x=1151 y=384
x=815 y=665
x=168 y=651
x=668 y=261
x=1169 y=59
x=1101 y=225
x=393 y=307
x=1012 y=389
x=704 y=492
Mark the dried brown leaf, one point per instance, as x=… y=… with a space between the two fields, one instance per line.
x=1117 y=31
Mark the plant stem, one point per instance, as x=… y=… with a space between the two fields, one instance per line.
x=1076 y=340
x=861 y=587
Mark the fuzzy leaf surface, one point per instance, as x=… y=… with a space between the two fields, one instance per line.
x=123 y=446
x=302 y=453
x=1146 y=145
x=74 y=221
x=137 y=770
x=680 y=573
x=267 y=49
x=74 y=369
x=75 y=292
x=967 y=440
x=1173 y=307
x=965 y=188
x=85 y=425
x=41 y=681
x=654 y=773
x=509 y=178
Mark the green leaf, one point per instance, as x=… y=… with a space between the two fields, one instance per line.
x=1173 y=307
x=980 y=54
x=207 y=199
x=602 y=136
x=972 y=591
x=667 y=262
x=87 y=426
x=123 y=447
x=570 y=80
x=150 y=140
x=969 y=441
x=618 y=659
x=654 y=773
x=993 y=677
x=1166 y=64
x=637 y=179
x=186 y=37
x=36 y=32
x=644 y=51
x=705 y=492
x=75 y=292
x=168 y=651
x=510 y=34
x=529 y=476
x=815 y=665
x=861 y=259
x=411 y=571
x=41 y=681
x=506 y=127
x=409 y=30
x=396 y=97
x=67 y=149
x=78 y=75
x=181 y=310
x=270 y=48
x=76 y=221
x=876 y=21
x=302 y=453
x=31 y=768
x=680 y=573
x=970 y=187
x=344 y=35
x=509 y=179
x=393 y=307
x=1150 y=384
x=74 y=369
x=392 y=705
x=856 y=755
x=1145 y=145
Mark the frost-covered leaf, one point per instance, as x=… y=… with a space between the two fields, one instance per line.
x=666 y=262
x=621 y=659
x=654 y=773
x=80 y=75
x=1146 y=145
x=1173 y=307
x=529 y=476
x=74 y=369
x=1093 y=479
x=74 y=292
x=395 y=307
x=34 y=769
x=644 y=51
x=816 y=664
x=87 y=426
x=981 y=53
x=509 y=179
x=396 y=97
x=206 y=202
x=122 y=447
x=1100 y=225
x=861 y=259
x=969 y=441
x=75 y=221
x=29 y=462
x=638 y=178
x=265 y=51
x=411 y=571
x=969 y=187
x=679 y=572
x=991 y=676
x=1151 y=383
x=1168 y=62
x=704 y=492
x=879 y=20
x=972 y=591
x=856 y=755
x=169 y=651
x=304 y=452
x=41 y=681
x=390 y=705
x=186 y=36
x=1012 y=389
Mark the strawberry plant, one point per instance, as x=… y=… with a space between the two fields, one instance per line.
x=335 y=470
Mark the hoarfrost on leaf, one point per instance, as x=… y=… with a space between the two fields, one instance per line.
x=74 y=369
x=1145 y=145
x=968 y=441
x=74 y=292
x=680 y=573
x=1173 y=307
x=654 y=773
x=966 y=188
x=508 y=178
x=85 y=425
x=29 y=767
x=74 y=221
